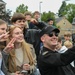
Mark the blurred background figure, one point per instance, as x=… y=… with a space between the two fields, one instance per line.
x=28 y=17
x=67 y=36
x=50 y=21
x=59 y=47
x=36 y=15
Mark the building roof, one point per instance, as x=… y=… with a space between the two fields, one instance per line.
x=58 y=19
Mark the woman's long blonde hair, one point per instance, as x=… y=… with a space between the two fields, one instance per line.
x=26 y=48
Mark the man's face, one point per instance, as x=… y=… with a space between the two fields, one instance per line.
x=28 y=17
x=37 y=16
x=20 y=23
x=50 y=40
x=50 y=22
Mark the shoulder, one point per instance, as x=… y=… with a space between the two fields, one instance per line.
x=31 y=46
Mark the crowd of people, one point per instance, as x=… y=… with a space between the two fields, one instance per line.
x=31 y=47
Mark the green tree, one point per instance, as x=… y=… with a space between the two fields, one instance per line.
x=61 y=11
x=70 y=12
x=48 y=15
x=5 y=14
x=22 y=8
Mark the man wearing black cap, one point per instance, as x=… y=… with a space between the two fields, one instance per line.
x=51 y=62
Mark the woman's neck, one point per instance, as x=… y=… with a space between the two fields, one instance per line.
x=18 y=45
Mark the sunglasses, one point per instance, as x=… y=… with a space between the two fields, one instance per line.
x=52 y=34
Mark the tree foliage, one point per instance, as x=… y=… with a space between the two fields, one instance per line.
x=48 y=15
x=5 y=14
x=70 y=12
x=67 y=10
x=61 y=11
x=22 y=8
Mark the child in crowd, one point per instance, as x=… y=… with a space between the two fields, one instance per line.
x=67 y=36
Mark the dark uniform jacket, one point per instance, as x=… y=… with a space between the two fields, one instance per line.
x=53 y=63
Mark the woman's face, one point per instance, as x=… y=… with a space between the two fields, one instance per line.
x=3 y=29
x=18 y=34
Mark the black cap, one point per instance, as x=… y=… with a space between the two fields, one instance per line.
x=48 y=29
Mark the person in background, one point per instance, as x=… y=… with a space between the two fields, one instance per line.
x=22 y=56
x=59 y=47
x=18 y=19
x=50 y=62
x=28 y=17
x=67 y=36
x=50 y=21
x=36 y=15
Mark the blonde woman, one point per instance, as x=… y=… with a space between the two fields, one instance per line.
x=22 y=56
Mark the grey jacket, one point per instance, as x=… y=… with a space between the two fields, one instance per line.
x=4 y=62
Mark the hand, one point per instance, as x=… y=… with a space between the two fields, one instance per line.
x=9 y=46
x=34 y=21
x=4 y=37
x=26 y=67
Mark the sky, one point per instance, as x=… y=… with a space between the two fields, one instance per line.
x=36 y=5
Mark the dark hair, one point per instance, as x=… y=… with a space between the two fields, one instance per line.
x=17 y=16
x=36 y=12
x=49 y=19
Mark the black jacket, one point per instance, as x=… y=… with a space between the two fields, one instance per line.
x=53 y=63
x=32 y=36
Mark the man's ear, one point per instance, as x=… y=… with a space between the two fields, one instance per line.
x=43 y=38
